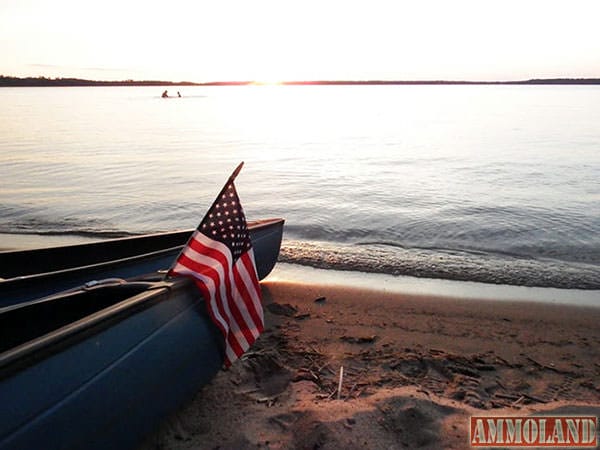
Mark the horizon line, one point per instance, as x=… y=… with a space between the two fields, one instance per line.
x=7 y=80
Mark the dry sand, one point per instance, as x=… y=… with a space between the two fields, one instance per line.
x=415 y=369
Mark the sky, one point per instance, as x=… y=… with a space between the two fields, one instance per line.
x=277 y=40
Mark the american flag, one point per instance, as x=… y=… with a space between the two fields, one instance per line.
x=220 y=259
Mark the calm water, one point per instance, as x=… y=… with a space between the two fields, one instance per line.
x=486 y=183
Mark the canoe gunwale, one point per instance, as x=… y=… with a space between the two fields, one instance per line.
x=104 y=264
x=44 y=346
x=23 y=279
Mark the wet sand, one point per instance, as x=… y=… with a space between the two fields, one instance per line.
x=415 y=368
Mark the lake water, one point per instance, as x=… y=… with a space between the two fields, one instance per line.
x=498 y=184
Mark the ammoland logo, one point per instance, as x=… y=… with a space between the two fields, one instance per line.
x=534 y=431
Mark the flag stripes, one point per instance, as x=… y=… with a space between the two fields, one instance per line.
x=230 y=288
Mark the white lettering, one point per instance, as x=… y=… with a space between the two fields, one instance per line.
x=558 y=436
x=530 y=431
x=495 y=431
x=589 y=431
x=479 y=434
x=573 y=430
x=542 y=428
x=513 y=431
x=534 y=431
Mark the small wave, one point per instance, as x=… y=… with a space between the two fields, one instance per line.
x=432 y=263
x=106 y=234
x=30 y=222
x=451 y=251
x=576 y=245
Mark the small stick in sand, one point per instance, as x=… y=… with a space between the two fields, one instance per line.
x=517 y=401
x=535 y=399
x=339 y=390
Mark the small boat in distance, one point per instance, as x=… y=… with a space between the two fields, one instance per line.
x=35 y=273
x=165 y=94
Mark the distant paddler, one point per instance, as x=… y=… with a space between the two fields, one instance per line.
x=165 y=94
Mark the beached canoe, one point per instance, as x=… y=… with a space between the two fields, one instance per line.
x=30 y=274
x=98 y=367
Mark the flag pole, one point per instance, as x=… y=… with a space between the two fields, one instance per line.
x=230 y=180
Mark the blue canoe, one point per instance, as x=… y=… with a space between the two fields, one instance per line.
x=100 y=366
x=30 y=274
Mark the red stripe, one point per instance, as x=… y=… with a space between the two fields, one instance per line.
x=197 y=267
x=209 y=251
x=251 y=269
x=244 y=327
x=227 y=361
x=200 y=268
x=248 y=301
x=233 y=343
x=212 y=274
x=250 y=266
x=223 y=261
x=206 y=294
x=248 y=261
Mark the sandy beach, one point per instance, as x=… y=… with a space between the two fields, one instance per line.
x=415 y=368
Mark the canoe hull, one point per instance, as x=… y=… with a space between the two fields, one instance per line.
x=110 y=389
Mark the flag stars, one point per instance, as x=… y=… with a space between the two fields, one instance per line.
x=226 y=223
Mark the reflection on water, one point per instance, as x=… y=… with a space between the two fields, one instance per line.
x=504 y=171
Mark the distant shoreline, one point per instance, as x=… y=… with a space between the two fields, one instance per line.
x=6 y=81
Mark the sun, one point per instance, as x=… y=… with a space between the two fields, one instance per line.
x=267 y=82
